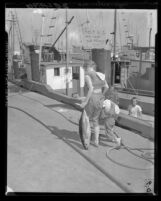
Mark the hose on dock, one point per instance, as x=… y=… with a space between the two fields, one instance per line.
x=129 y=149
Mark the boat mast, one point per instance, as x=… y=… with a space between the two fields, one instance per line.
x=67 y=85
x=41 y=39
x=114 y=49
x=12 y=43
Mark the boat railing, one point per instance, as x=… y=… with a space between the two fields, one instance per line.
x=47 y=57
x=139 y=91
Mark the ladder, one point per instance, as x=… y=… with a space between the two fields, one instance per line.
x=51 y=26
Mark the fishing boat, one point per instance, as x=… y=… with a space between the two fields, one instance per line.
x=134 y=74
x=55 y=62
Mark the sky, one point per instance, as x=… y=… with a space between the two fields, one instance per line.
x=136 y=22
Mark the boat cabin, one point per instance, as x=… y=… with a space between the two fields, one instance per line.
x=57 y=76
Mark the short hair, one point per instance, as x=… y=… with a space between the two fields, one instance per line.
x=134 y=98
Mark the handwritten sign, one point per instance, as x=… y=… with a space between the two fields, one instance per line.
x=94 y=38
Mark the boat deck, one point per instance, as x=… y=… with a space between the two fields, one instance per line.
x=150 y=119
x=146 y=99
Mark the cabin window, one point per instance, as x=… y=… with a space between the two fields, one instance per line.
x=75 y=72
x=56 y=71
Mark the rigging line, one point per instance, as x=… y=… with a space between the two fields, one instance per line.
x=18 y=27
x=52 y=38
x=53 y=16
x=81 y=30
x=44 y=38
x=18 y=33
x=54 y=24
x=56 y=27
x=32 y=26
x=48 y=32
x=119 y=31
x=60 y=39
x=10 y=32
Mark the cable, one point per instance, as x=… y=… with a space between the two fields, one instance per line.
x=124 y=165
x=81 y=30
x=129 y=149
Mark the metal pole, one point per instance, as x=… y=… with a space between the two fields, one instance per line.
x=13 y=44
x=10 y=47
x=67 y=84
x=41 y=40
x=140 y=66
x=150 y=37
x=114 y=50
x=13 y=38
x=140 y=62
